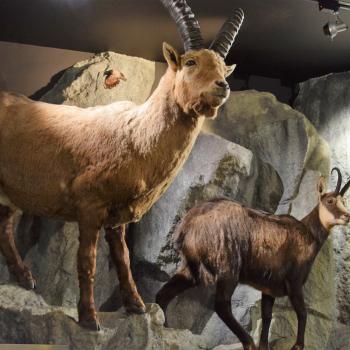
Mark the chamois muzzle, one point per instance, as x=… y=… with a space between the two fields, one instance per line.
x=227 y=34
x=186 y=23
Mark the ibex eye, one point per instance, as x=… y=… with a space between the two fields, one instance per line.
x=190 y=63
x=330 y=201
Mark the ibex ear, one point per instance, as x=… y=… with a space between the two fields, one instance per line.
x=230 y=69
x=171 y=56
x=321 y=186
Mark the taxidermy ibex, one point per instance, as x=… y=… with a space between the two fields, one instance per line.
x=105 y=166
x=224 y=243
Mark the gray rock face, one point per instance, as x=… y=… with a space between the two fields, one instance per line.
x=285 y=139
x=326 y=102
x=26 y=318
x=340 y=338
x=276 y=133
x=83 y=84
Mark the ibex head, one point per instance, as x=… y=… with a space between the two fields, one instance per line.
x=332 y=210
x=200 y=83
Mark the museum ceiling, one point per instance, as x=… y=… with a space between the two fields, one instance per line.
x=280 y=38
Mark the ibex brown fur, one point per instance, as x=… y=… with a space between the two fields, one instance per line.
x=106 y=165
x=224 y=242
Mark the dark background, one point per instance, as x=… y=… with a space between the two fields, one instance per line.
x=280 y=39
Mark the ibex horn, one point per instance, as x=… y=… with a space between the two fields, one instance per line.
x=340 y=179
x=227 y=34
x=186 y=23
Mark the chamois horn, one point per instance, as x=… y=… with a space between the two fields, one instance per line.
x=227 y=34
x=345 y=188
x=340 y=180
x=186 y=23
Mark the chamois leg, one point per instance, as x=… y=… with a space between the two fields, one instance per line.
x=181 y=281
x=297 y=300
x=88 y=236
x=224 y=291
x=10 y=252
x=120 y=256
x=266 y=313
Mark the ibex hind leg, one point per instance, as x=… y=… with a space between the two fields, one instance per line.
x=223 y=307
x=8 y=249
x=120 y=255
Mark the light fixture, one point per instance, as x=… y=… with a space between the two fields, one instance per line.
x=331 y=29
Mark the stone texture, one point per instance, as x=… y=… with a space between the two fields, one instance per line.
x=284 y=138
x=340 y=338
x=26 y=318
x=276 y=133
x=83 y=84
x=326 y=102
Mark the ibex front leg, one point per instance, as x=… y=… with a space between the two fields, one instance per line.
x=9 y=250
x=120 y=255
x=88 y=236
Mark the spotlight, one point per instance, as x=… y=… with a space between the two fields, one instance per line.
x=331 y=29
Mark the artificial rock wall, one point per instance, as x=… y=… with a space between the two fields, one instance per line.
x=264 y=154
x=325 y=101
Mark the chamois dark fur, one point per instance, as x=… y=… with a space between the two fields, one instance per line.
x=223 y=242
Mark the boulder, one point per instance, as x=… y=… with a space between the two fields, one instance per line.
x=326 y=103
x=83 y=84
x=26 y=318
x=277 y=134
x=284 y=138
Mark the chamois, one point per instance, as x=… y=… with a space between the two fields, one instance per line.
x=105 y=166
x=222 y=242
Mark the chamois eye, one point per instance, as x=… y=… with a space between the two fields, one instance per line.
x=190 y=63
x=330 y=201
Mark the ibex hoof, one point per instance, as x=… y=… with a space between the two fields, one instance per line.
x=135 y=309
x=90 y=324
x=134 y=305
x=27 y=281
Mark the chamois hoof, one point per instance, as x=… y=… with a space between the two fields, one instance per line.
x=90 y=324
x=297 y=347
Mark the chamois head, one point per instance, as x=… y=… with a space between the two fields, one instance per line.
x=200 y=81
x=332 y=209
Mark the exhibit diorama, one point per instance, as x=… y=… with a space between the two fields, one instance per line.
x=175 y=174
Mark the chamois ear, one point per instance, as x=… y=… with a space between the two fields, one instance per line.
x=171 y=56
x=230 y=69
x=321 y=186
